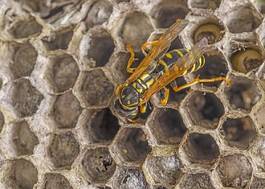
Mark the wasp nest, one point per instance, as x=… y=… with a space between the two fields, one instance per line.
x=60 y=63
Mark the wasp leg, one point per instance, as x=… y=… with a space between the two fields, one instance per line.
x=131 y=59
x=146 y=45
x=143 y=108
x=198 y=80
x=164 y=99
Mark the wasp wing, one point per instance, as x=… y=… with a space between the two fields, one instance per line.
x=163 y=43
x=178 y=69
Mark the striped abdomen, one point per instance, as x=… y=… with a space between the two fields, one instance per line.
x=171 y=58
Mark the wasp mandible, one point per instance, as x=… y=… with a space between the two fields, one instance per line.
x=159 y=69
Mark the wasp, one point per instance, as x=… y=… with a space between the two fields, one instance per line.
x=158 y=70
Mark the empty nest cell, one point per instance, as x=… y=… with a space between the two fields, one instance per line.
x=239 y=132
x=234 y=171
x=196 y=181
x=243 y=93
x=204 y=4
x=66 y=110
x=242 y=19
x=61 y=73
x=24 y=60
x=96 y=47
x=102 y=127
x=98 y=13
x=21 y=97
x=24 y=27
x=63 y=149
x=93 y=89
x=55 y=180
x=165 y=170
x=58 y=40
x=19 y=174
x=201 y=149
x=166 y=12
x=129 y=178
x=213 y=30
x=131 y=145
x=204 y=109
x=135 y=29
x=246 y=60
x=98 y=165
x=23 y=139
x=167 y=126
x=215 y=66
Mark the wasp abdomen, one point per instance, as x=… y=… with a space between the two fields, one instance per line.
x=171 y=58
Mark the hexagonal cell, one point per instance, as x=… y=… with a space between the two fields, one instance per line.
x=96 y=47
x=19 y=174
x=131 y=145
x=102 y=127
x=215 y=66
x=21 y=97
x=135 y=29
x=201 y=148
x=98 y=13
x=246 y=60
x=2 y=121
x=243 y=93
x=93 y=88
x=55 y=180
x=24 y=60
x=165 y=170
x=63 y=149
x=98 y=165
x=204 y=109
x=58 y=40
x=24 y=140
x=242 y=19
x=234 y=171
x=66 y=110
x=204 y=4
x=167 y=126
x=61 y=73
x=257 y=183
x=196 y=181
x=129 y=178
x=239 y=132
x=212 y=30
x=167 y=12
x=24 y=27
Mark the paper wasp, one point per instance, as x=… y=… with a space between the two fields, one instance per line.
x=159 y=69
